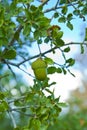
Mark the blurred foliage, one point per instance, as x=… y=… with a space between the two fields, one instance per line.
x=71 y=121
x=76 y=116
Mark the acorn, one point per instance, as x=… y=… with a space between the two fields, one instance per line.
x=40 y=69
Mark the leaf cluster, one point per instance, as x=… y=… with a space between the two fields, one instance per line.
x=24 y=24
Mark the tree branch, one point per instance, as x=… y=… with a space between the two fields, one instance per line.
x=12 y=118
x=81 y=16
x=16 y=99
x=55 y=8
x=26 y=114
x=45 y=2
x=46 y=52
x=50 y=50
x=59 y=7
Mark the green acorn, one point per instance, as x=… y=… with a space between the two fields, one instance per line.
x=40 y=69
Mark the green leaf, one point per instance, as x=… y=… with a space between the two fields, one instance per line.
x=49 y=61
x=67 y=49
x=39 y=41
x=70 y=61
x=59 y=34
x=84 y=10
x=58 y=70
x=85 y=34
x=16 y=35
x=64 y=71
x=76 y=12
x=62 y=2
x=3 y=41
x=3 y=106
x=27 y=29
x=49 y=91
x=36 y=34
x=2 y=96
x=57 y=99
x=43 y=22
x=70 y=26
x=33 y=8
x=71 y=73
x=51 y=70
x=69 y=17
x=9 y=54
x=53 y=83
x=1 y=22
x=56 y=15
x=64 y=9
x=59 y=42
x=47 y=39
x=34 y=124
x=62 y=19
x=82 y=48
x=61 y=104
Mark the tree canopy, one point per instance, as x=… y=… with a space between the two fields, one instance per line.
x=24 y=23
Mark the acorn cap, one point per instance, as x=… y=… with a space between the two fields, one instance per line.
x=39 y=63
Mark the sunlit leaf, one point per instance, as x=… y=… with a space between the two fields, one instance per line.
x=49 y=60
x=59 y=34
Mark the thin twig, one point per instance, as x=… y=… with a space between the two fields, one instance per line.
x=26 y=72
x=10 y=69
x=37 y=55
x=16 y=99
x=39 y=50
x=57 y=3
x=12 y=118
x=45 y=2
x=50 y=50
x=19 y=108
x=26 y=114
x=59 y=7
x=81 y=16
x=55 y=8
x=22 y=107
